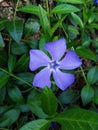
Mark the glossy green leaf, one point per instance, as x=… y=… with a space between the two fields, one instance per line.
x=15 y=29
x=40 y=124
x=9 y=117
x=64 y=9
x=3 y=79
x=48 y=97
x=71 y=1
x=92 y=75
x=32 y=9
x=87 y=94
x=18 y=49
x=77 y=19
x=44 y=20
x=11 y=62
x=1 y=41
x=3 y=22
x=77 y=119
x=15 y=94
x=86 y=53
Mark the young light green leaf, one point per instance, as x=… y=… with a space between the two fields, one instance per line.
x=1 y=41
x=87 y=94
x=77 y=19
x=40 y=124
x=15 y=94
x=71 y=1
x=48 y=97
x=44 y=20
x=15 y=29
x=32 y=9
x=77 y=119
x=64 y=9
x=9 y=117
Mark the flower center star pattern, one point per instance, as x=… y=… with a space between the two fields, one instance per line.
x=55 y=65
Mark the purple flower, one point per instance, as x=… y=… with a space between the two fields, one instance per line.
x=54 y=66
x=95 y=1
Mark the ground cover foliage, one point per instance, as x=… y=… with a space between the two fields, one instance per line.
x=30 y=26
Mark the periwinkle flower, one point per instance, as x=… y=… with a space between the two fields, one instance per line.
x=95 y=1
x=55 y=65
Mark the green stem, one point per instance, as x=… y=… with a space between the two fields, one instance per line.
x=18 y=78
x=16 y=9
x=84 y=76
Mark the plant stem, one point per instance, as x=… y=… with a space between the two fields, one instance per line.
x=16 y=9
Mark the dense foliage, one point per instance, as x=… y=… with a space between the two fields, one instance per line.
x=26 y=107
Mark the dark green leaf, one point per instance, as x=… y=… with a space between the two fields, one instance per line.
x=3 y=79
x=40 y=124
x=64 y=9
x=18 y=49
x=68 y=96
x=11 y=62
x=92 y=75
x=15 y=94
x=32 y=9
x=86 y=53
x=9 y=117
x=95 y=98
x=2 y=94
x=87 y=94
x=3 y=22
x=1 y=41
x=15 y=29
x=71 y=1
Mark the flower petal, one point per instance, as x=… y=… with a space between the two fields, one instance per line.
x=38 y=59
x=56 y=48
x=63 y=80
x=42 y=78
x=70 y=61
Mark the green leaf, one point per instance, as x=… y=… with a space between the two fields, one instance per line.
x=1 y=41
x=57 y=25
x=32 y=9
x=22 y=63
x=44 y=20
x=3 y=58
x=3 y=22
x=26 y=76
x=87 y=94
x=95 y=98
x=2 y=94
x=15 y=94
x=3 y=79
x=11 y=62
x=19 y=48
x=92 y=75
x=86 y=53
x=68 y=96
x=15 y=29
x=78 y=119
x=71 y=1
x=32 y=26
x=9 y=117
x=40 y=124
x=77 y=19
x=64 y=9
x=34 y=102
x=48 y=97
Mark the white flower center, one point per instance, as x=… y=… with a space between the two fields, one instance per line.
x=53 y=65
